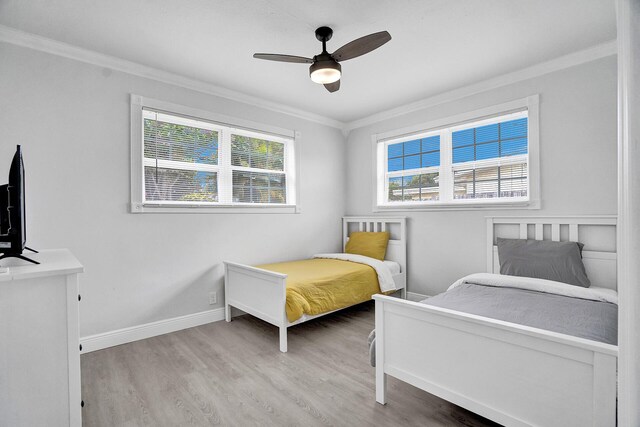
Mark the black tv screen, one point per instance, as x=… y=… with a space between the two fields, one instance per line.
x=4 y=213
x=13 y=234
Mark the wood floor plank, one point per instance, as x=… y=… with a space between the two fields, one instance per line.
x=232 y=374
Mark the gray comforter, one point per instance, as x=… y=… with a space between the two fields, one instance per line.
x=593 y=320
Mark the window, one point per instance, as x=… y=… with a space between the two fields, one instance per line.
x=478 y=159
x=180 y=159
x=251 y=158
x=413 y=169
x=194 y=162
x=489 y=161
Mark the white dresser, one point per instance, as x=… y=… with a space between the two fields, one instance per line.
x=39 y=341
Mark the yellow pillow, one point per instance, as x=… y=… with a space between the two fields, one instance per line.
x=371 y=244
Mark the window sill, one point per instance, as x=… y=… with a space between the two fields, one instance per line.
x=228 y=209
x=532 y=204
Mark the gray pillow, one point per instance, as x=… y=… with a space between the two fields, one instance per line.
x=543 y=259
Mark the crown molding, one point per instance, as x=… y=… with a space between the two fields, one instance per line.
x=576 y=58
x=32 y=41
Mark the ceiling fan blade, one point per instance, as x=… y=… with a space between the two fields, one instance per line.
x=333 y=87
x=361 y=46
x=283 y=58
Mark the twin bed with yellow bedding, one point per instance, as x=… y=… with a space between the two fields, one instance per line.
x=319 y=285
x=288 y=293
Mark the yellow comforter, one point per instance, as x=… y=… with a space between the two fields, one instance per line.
x=316 y=286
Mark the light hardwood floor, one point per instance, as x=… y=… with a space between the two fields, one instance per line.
x=233 y=374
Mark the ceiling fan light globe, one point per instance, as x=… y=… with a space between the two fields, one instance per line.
x=325 y=76
x=325 y=72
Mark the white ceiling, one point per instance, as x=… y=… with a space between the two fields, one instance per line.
x=437 y=45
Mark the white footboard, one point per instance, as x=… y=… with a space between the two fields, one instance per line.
x=515 y=375
x=259 y=292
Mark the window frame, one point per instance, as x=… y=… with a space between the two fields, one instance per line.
x=225 y=125
x=444 y=127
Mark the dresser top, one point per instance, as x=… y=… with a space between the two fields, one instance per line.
x=53 y=262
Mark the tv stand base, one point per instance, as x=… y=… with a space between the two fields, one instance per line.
x=22 y=257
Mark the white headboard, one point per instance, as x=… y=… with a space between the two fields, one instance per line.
x=598 y=233
x=397 y=248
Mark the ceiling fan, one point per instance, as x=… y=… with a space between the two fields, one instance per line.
x=325 y=67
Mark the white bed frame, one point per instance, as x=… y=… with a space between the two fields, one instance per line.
x=513 y=374
x=262 y=293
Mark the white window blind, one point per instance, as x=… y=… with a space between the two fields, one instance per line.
x=489 y=158
x=473 y=162
x=413 y=170
x=258 y=173
x=180 y=159
x=199 y=163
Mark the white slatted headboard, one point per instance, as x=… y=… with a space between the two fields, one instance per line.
x=397 y=248
x=596 y=232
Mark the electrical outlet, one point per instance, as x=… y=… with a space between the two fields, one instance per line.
x=213 y=298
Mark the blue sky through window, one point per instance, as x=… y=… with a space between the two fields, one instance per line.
x=480 y=159
x=490 y=141
x=418 y=153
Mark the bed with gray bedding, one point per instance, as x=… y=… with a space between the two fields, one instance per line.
x=583 y=318
x=591 y=319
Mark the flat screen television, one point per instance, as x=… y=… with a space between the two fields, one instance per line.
x=13 y=228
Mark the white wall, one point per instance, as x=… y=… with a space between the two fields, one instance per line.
x=577 y=166
x=72 y=119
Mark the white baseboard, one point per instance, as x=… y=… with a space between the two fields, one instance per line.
x=413 y=296
x=148 y=330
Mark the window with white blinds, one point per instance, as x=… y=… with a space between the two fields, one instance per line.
x=469 y=163
x=258 y=174
x=190 y=162
x=180 y=159
x=489 y=159
x=413 y=169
